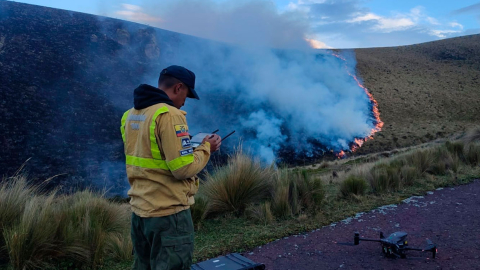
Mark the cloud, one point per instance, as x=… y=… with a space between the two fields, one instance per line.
x=455 y=25
x=432 y=21
x=444 y=33
x=136 y=14
x=348 y=22
x=385 y=24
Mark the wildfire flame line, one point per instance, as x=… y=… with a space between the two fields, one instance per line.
x=358 y=142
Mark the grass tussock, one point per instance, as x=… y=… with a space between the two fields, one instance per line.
x=472 y=136
x=260 y=213
x=295 y=192
x=41 y=230
x=353 y=186
x=199 y=210
x=241 y=182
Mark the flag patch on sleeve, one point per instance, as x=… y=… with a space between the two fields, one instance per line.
x=181 y=130
x=186 y=152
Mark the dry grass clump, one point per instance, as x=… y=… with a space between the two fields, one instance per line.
x=472 y=154
x=420 y=159
x=260 y=213
x=231 y=188
x=385 y=177
x=266 y=191
x=14 y=195
x=353 y=185
x=96 y=222
x=472 y=136
x=409 y=175
x=295 y=191
x=199 y=210
x=41 y=230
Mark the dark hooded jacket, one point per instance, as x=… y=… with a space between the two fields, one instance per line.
x=146 y=95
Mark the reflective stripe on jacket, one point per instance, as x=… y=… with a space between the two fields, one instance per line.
x=161 y=164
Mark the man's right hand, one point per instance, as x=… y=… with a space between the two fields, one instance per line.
x=215 y=142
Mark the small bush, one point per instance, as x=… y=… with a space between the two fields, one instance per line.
x=281 y=206
x=442 y=161
x=95 y=221
x=379 y=180
x=199 y=210
x=14 y=195
x=241 y=182
x=472 y=154
x=42 y=230
x=456 y=149
x=409 y=174
x=353 y=185
x=33 y=239
x=294 y=192
x=120 y=248
x=260 y=213
x=420 y=159
x=472 y=136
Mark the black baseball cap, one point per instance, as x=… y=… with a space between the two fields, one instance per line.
x=184 y=75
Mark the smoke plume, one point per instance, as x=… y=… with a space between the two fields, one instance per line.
x=265 y=81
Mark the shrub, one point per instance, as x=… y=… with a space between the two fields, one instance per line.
x=442 y=161
x=260 y=213
x=472 y=136
x=353 y=185
x=14 y=195
x=91 y=221
x=281 y=206
x=409 y=174
x=120 y=247
x=379 y=180
x=33 y=240
x=420 y=159
x=386 y=177
x=472 y=154
x=456 y=148
x=242 y=181
x=199 y=210
x=295 y=191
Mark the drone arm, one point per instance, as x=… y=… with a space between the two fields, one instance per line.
x=430 y=249
x=369 y=240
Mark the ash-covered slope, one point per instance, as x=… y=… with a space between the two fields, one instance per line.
x=59 y=71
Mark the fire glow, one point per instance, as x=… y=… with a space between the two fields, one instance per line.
x=358 y=142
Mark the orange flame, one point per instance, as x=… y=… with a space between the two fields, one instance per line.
x=376 y=113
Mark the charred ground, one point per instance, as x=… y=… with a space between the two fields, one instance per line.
x=60 y=70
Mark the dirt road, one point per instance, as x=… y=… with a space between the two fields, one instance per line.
x=450 y=217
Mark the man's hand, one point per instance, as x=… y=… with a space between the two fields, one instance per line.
x=215 y=142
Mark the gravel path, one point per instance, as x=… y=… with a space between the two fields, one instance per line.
x=450 y=217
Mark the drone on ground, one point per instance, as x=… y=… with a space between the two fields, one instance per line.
x=395 y=245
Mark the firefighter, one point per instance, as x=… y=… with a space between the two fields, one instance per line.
x=161 y=169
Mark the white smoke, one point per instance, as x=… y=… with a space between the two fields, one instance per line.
x=242 y=22
x=274 y=98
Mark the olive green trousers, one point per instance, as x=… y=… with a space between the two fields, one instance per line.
x=163 y=243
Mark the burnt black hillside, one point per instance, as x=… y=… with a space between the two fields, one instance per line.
x=59 y=71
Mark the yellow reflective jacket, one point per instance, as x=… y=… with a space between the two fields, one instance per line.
x=161 y=163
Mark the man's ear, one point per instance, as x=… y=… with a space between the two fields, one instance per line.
x=177 y=88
